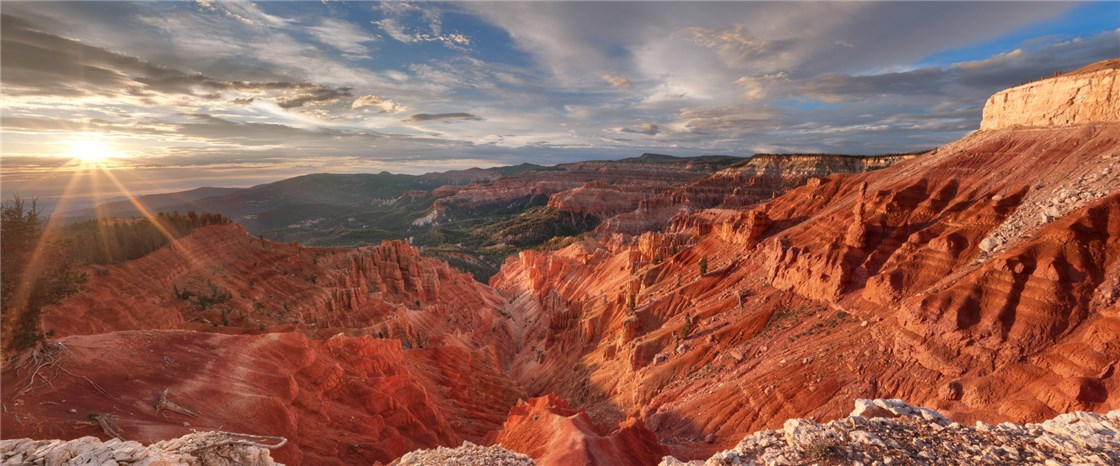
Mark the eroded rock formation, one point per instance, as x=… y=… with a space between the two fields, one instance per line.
x=980 y=278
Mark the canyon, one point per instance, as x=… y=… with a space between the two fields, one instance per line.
x=712 y=299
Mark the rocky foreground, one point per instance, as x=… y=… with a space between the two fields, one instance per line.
x=891 y=432
x=878 y=432
x=196 y=449
x=467 y=454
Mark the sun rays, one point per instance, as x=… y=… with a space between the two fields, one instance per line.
x=95 y=158
x=92 y=151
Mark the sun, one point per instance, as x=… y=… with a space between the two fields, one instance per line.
x=92 y=151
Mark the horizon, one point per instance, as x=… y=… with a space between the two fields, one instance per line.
x=107 y=99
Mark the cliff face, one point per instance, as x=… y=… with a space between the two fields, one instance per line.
x=1091 y=95
x=600 y=188
x=761 y=178
x=982 y=279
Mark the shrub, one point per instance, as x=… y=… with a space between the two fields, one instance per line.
x=686 y=330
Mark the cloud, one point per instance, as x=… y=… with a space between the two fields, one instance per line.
x=39 y=63
x=974 y=79
x=397 y=13
x=266 y=84
x=320 y=96
x=648 y=129
x=755 y=88
x=737 y=47
x=444 y=117
x=344 y=36
x=396 y=30
x=385 y=105
x=617 y=82
x=244 y=12
x=725 y=121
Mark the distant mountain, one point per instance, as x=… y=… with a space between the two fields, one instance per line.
x=153 y=202
x=472 y=218
x=662 y=158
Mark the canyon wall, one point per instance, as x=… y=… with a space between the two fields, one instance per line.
x=1091 y=94
x=981 y=278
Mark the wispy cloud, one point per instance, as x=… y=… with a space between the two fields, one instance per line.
x=344 y=36
x=383 y=104
x=444 y=117
x=618 y=82
x=403 y=85
x=648 y=129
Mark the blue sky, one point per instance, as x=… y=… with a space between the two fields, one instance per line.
x=235 y=93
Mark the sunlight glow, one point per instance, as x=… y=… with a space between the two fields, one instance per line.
x=92 y=151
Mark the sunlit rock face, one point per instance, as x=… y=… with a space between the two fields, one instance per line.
x=1091 y=94
x=981 y=279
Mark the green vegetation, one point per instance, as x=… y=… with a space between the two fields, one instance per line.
x=703 y=266
x=686 y=330
x=206 y=298
x=475 y=235
x=35 y=270
x=116 y=241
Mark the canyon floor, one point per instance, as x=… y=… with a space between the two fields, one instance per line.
x=980 y=279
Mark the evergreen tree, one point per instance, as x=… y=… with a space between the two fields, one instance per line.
x=25 y=287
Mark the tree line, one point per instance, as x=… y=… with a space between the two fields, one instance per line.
x=111 y=241
x=37 y=269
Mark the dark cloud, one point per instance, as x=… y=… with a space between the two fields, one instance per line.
x=738 y=47
x=444 y=117
x=648 y=129
x=978 y=79
x=38 y=63
x=318 y=96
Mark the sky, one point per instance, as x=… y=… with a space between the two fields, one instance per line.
x=174 y=95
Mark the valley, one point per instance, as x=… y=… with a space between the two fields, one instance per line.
x=612 y=313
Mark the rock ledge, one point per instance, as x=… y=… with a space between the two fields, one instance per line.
x=891 y=432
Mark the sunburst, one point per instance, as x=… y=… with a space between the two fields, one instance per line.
x=93 y=152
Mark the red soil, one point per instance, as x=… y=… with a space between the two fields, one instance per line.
x=1019 y=334
x=554 y=434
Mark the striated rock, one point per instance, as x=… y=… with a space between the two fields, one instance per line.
x=762 y=177
x=1083 y=96
x=551 y=432
x=195 y=449
x=254 y=286
x=856 y=236
x=914 y=434
x=601 y=188
x=341 y=400
x=1016 y=328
